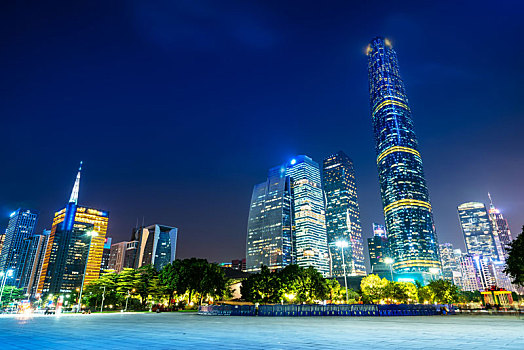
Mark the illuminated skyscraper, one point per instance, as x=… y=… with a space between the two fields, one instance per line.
x=343 y=215
x=69 y=243
x=378 y=248
x=500 y=228
x=309 y=214
x=477 y=230
x=407 y=209
x=450 y=260
x=21 y=226
x=156 y=246
x=270 y=222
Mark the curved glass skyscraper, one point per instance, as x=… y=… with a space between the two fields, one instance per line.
x=407 y=210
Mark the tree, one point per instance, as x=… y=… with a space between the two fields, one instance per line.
x=515 y=261
x=213 y=282
x=11 y=294
x=262 y=287
x=424 y=294
x=373 y=288
x=171 y=279
x=403 y=292
x=444 y=291
x=143 y=282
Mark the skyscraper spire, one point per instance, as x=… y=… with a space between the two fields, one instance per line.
x=76 y=187
x=491 y=206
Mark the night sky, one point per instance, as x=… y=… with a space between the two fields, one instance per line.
x=178 y=108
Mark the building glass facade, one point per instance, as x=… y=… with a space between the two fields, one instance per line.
x=67 y=241
x=157 y=245
x=310 y=237
x=378 y=249
x=343 y=215
x=269 y=232
x=500 y=228
x=407 y=209
x=477 y=230
x=21 y=226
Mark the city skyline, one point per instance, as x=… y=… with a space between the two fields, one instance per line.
x=435 y=67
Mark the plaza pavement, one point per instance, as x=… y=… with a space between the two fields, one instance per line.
x=190 y=331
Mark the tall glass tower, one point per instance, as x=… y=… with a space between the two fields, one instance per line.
x=405 y=198
x=270 y=223
x=343 y=215
x=21 y=226
x=309 y=214
x=70 y=248
x=477 y=229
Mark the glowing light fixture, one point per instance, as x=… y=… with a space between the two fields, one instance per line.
x=293 y=161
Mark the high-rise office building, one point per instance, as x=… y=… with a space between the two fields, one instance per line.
x=469 y=279
x=477 y=230
x=104 y=265
x=501 y=228
x=157 y=245
x=32 y=276
x=123 y=255
x=407 y=209
x=378 y=249
x=343 y=215
x=77 y=238
x=450 y=260
x=310 y=238
x=270 y=223
x=21 y=226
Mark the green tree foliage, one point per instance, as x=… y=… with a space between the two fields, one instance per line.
x=293 y=284
x=11 y=294
x=401 y=292
x=444 y=291
x=515 y=261
x=374 y=288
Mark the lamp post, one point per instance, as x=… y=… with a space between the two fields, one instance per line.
x=103 y=298
x=91 y=234
x=127 y=298
x=342 y=245
x=4 y=275
x=390 y=262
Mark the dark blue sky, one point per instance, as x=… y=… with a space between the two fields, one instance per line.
x=178 y=108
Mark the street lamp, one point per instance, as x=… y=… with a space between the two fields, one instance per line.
x=91 y=234
x=390 y=262
x=127 y=298
x=342 y=245
x=4 y=276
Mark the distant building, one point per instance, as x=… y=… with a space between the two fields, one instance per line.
x=36 y=271
x=77 y=238
x=21 y=226
x=469 y=279
x=449 y=259
x=104 y=265
x=2 y=240
x=130 y=257
x=157 y=245
x=309 y=214
x=116 y=256
x=405 y=197
x=239 y=264
x=378 y=249
x=501 y=229
x=270 y=223
x=477 y=230
x=343 y=215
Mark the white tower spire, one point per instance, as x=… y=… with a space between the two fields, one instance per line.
x=76 y=187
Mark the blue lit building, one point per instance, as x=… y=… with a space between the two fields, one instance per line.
x=343 y=215
x=21 y=226
x=477 y=230
x=270 y=223
x=378 y=248
x=407 y=209
x=157 y=246
x=309 y=214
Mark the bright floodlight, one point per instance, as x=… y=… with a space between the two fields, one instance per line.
x=293 y=161
x=434 y=270
x=9 y=273
x=388 y=261
x=92 y=233
x=342 y=244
